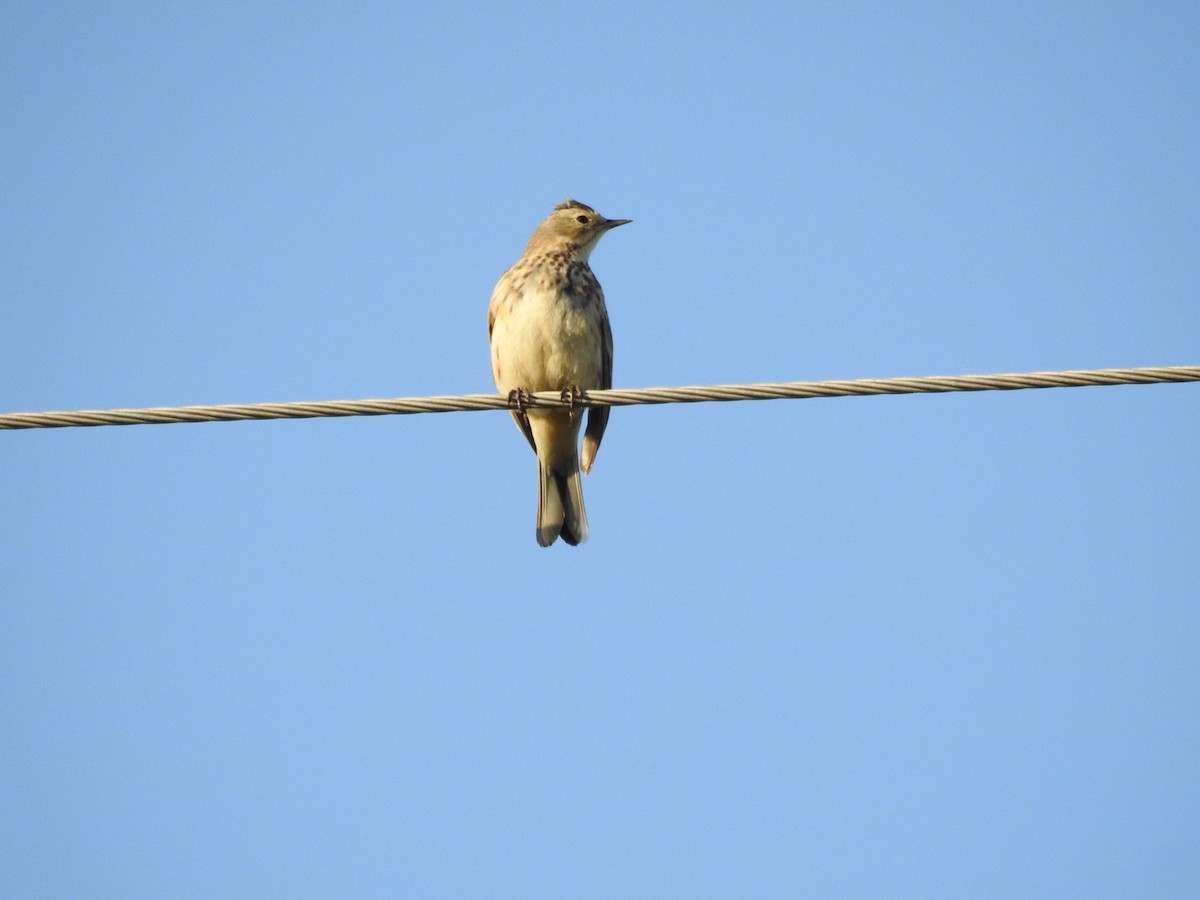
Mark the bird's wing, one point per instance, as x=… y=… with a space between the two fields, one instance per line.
x=598 y=415
x=522 y=421
x=519 y=417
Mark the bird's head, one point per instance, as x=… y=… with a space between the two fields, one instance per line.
x=573 y=224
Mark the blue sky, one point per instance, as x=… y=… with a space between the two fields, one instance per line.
x=907 y=646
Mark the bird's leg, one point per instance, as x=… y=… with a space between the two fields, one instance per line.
x=518 y=399
x=571 y=396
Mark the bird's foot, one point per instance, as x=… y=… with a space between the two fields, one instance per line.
x=519 y=399
x=571 y=396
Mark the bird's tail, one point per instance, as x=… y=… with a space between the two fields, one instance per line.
x=560 y=506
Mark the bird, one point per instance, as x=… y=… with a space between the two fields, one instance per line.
x=549 y=331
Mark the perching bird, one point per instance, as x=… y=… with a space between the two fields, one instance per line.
x=549 y=331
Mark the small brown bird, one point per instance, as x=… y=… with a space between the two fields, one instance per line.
x=549 y=331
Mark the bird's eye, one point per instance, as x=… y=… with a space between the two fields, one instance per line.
x=582 y=220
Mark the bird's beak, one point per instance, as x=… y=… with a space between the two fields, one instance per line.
x=613 y=223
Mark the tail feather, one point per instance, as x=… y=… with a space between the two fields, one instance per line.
x=550 y=514
x=575 y=523
x=560 y=507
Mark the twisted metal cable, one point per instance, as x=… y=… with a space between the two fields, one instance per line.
x=797 y=390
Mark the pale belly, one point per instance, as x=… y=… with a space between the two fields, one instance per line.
x=545 y=346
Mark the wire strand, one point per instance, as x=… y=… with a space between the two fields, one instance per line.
x=794 y=390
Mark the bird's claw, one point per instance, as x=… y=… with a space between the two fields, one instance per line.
x=519 y=399
x=571 y=396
